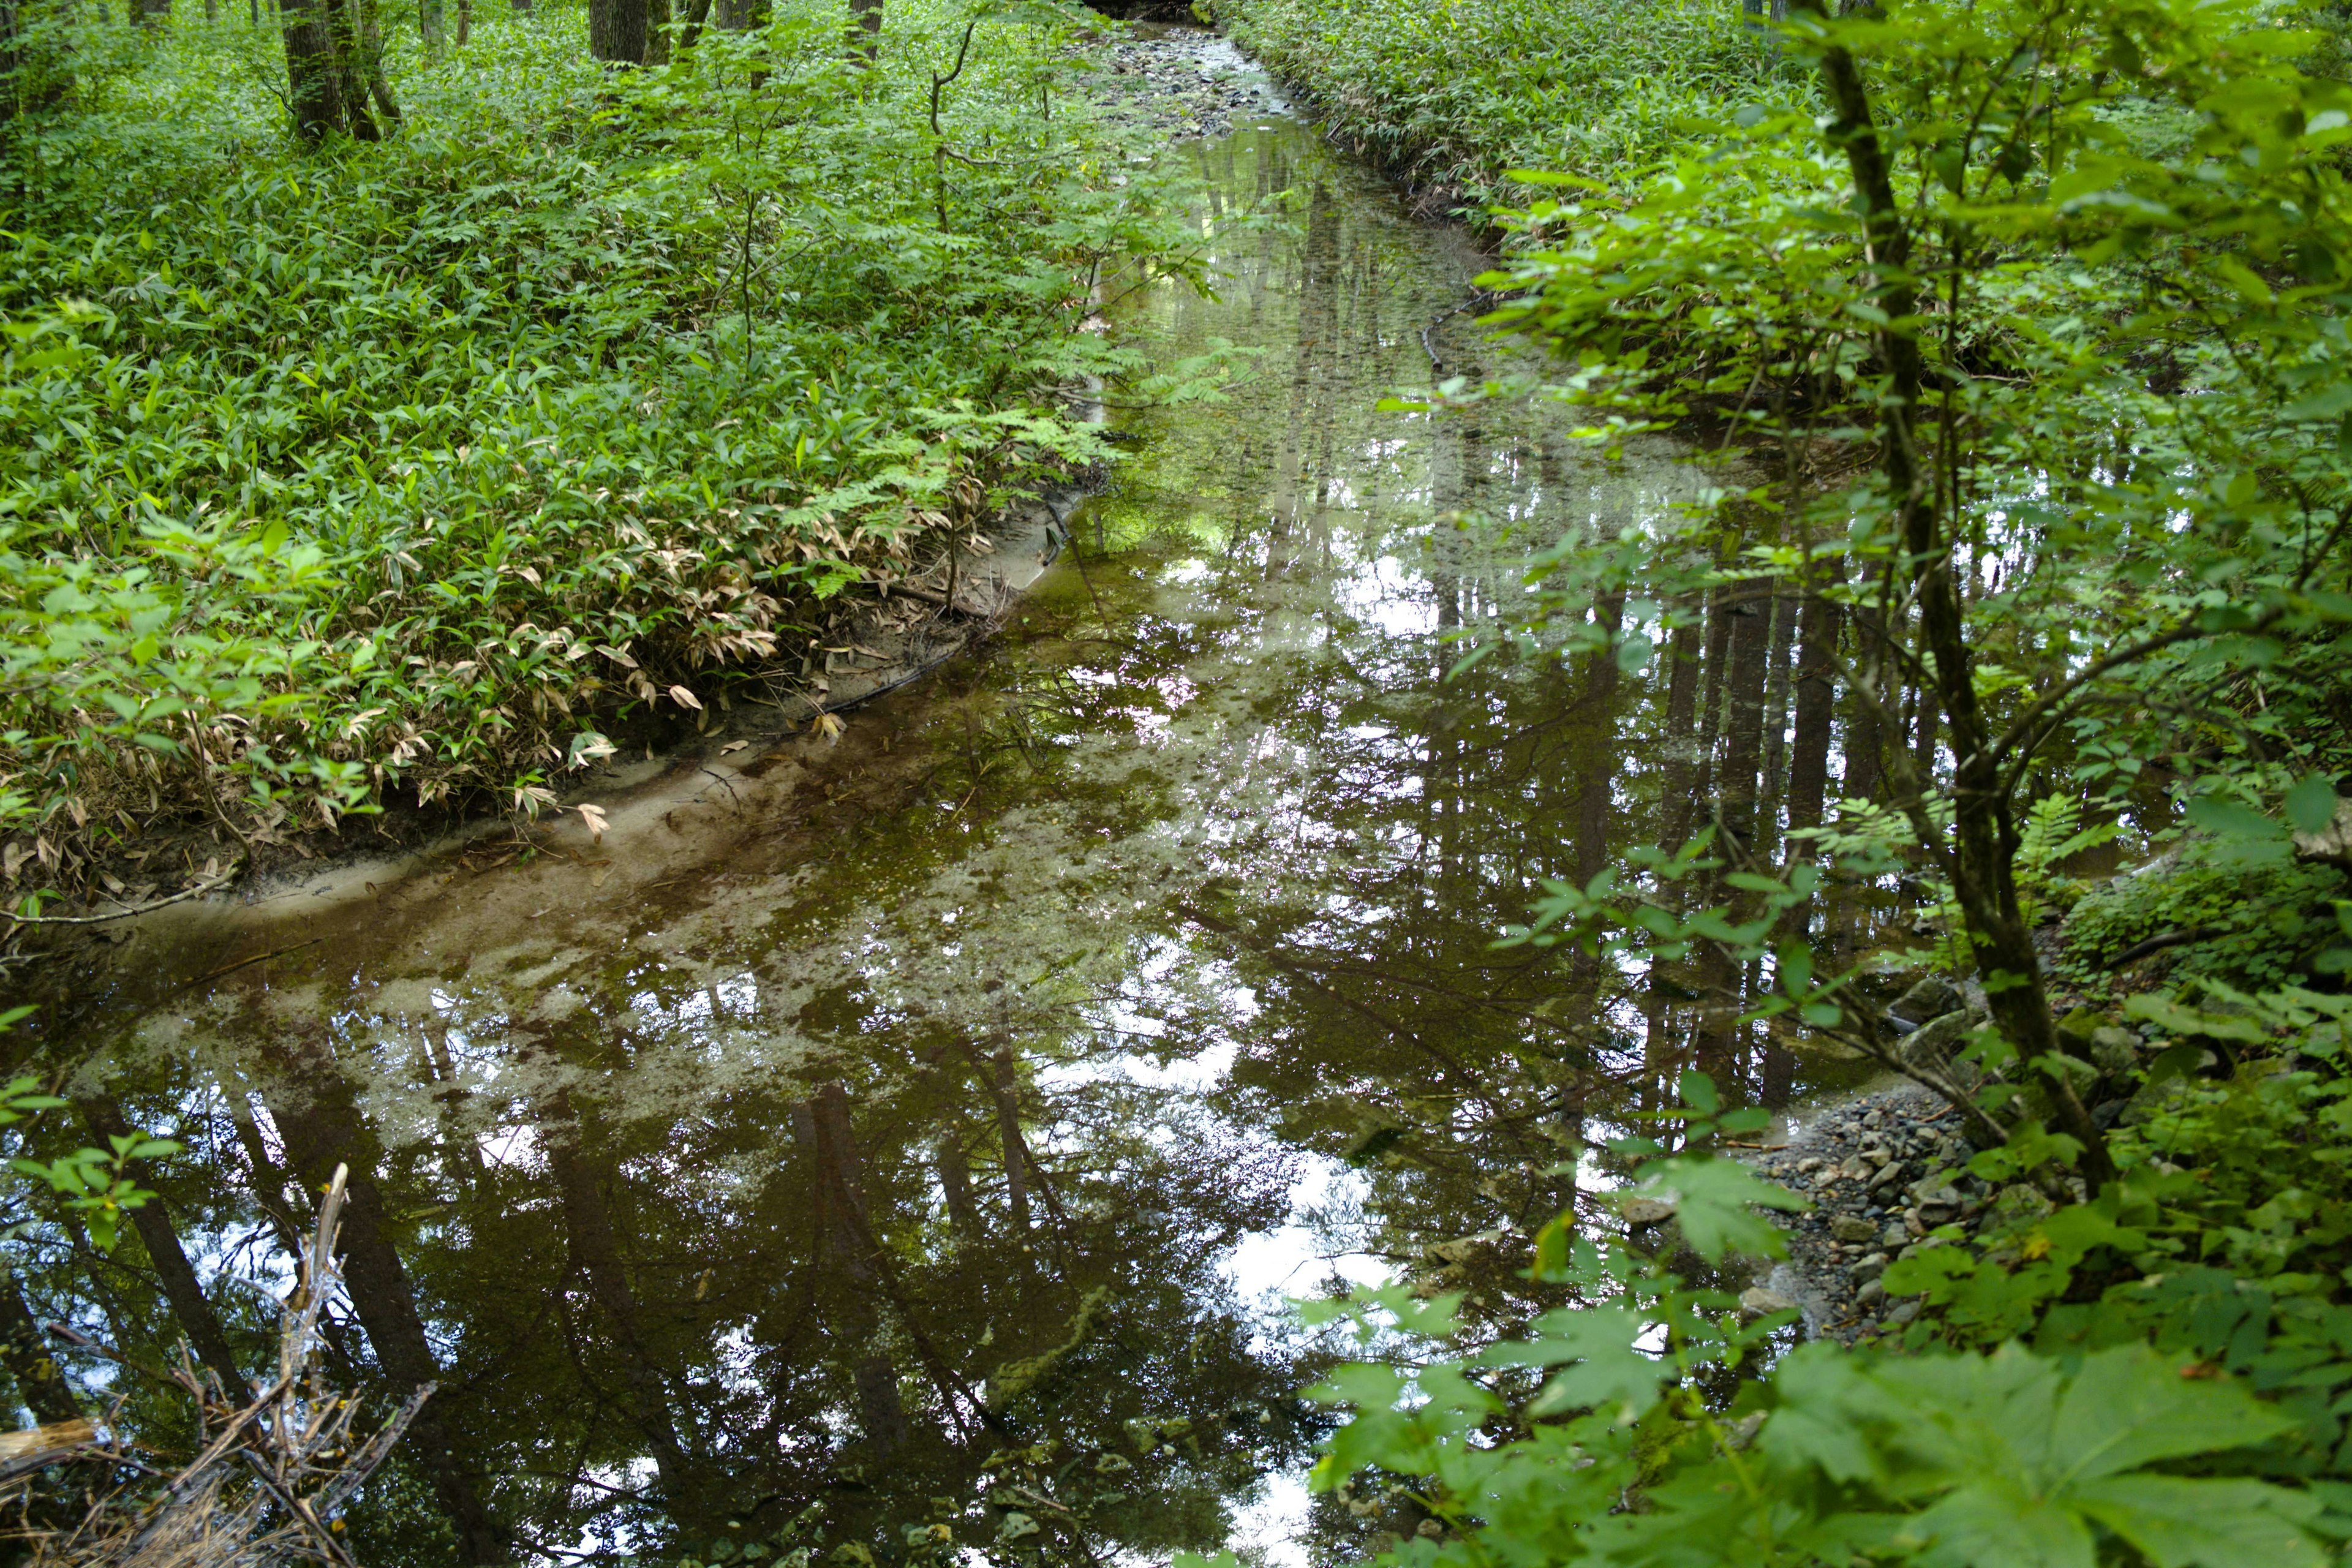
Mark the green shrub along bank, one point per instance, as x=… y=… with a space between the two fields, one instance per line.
x=2019 y=327
x=1453 y=96
x=411 y=469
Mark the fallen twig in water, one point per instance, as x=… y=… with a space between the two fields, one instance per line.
x=271 y=1481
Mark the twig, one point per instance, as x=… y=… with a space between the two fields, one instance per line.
x=235 y=866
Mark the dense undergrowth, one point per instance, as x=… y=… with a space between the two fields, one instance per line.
x=1454 y=97
x=414 y=470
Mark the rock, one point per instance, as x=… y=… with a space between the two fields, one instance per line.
x=1758 y=1302
x=1887 y=1176
x=1877 y=1158
x=1647 y=1210
x=1871 y=1294
x=1853 y=1227
x=2115 y=1050
x=1810 y=1163
x=2331 y=845
x=1869 y=1268
x=1929 y=997
x=1895 y=1236
x=1855 y=1169
x=1902 y=1315
x=1931 y=1044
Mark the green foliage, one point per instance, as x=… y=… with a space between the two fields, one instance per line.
x=94 y=1184
x=2260 y=925
x=1950 y=1456
x=424 y=465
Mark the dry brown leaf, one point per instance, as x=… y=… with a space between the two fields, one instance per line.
x=685 y=699
x=593 y=815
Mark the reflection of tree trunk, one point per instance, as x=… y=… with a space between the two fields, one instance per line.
x=269 y=1182
x=152 y=1220
x=1776 y=717
x=1816 y=702
x=1682 y=705
x=580 y=1182
x=1710 y=697
x=319 y=1135
x=1002 y=1085
x=1744 y=724
x=955 y=1181
x=25 y=1350
x=1861 y=734
x=1598 y=700
x=848 y=1233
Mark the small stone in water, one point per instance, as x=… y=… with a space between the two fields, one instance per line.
x=1758 y=1302
x=1647 y=1210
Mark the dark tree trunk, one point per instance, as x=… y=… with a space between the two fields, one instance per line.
x=1983 y=834
x=1599 y=701
x=616 y=31
x=152 y=1220
x=1710 y=694
x=1776 y=712
x=326 y=90
x=955 y=1181
x=865 y=28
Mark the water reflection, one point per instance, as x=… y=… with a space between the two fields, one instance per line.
x=867 y=1176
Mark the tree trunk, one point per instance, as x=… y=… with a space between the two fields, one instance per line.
x=697 y=12
x=616 y=31
x=1681 y=709
x=1776 y=714
x=1598 y=700
x=325 y=87
x=1816 y=705
x=865 y=28
x=1711 y=695
x=1984 y=836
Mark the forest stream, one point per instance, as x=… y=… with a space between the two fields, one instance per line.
x=922 y=1126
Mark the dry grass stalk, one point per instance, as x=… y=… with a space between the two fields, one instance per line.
x=268 y=1487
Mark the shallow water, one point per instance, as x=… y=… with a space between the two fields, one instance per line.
x=904 y=1140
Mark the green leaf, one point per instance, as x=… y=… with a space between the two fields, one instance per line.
x=2311 y=805
x=1714 y=1204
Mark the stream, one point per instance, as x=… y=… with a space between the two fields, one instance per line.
x=888 y=1144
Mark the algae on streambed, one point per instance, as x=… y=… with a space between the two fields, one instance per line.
x=892 y=1140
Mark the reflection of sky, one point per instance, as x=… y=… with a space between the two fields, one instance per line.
x=1263 y=731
